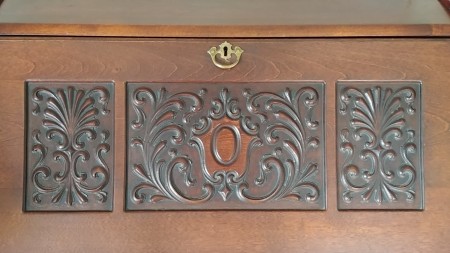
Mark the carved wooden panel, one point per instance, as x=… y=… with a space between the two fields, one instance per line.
x=225 y=146
x=70 y=133
x=379 y=141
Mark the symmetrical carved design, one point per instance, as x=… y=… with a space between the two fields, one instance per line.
x=168 y=165
x=70 y=131
x=379 y=145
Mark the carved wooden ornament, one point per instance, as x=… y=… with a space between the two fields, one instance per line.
x=379 y=145
x=225 y=146
x=70 y=132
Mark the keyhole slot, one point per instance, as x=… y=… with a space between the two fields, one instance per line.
x=225 y=51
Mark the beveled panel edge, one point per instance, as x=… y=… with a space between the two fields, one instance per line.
x=416 y=103
x=107 y=98
x=321 y=205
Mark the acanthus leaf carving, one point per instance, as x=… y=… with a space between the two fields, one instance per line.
x=69 y=146
x=378 y=141
x=167 y=158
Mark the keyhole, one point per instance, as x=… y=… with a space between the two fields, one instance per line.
x=225 y=51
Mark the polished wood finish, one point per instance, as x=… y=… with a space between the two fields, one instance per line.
x=225 y=231
x=228 y=31
x=391 y=113
x=235 y=18
x=180 y=125
x=70 y=146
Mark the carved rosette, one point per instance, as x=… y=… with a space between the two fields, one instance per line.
x=169 y=128
x=379 y=145
x=70 y=131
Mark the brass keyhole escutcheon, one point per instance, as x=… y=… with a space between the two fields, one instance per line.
x=226 y=56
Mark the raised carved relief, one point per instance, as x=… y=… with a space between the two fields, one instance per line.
x=379 y=145
x=69 y=147
x=276 y=158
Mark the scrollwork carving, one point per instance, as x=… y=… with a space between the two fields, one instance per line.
x=167 y=160
x=378 y=138
x=70 y=130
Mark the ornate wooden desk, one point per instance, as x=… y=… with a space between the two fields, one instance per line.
x=310 y=112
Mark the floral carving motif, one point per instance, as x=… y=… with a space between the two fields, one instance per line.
x=70 y=145
x=378 y=144
x=166 y=146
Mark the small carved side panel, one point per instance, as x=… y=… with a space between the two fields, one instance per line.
x=70 y=134
x=225 y=146
x=379 y=145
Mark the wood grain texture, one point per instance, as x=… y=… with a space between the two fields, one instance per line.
x=236 y=18
x=230 y=231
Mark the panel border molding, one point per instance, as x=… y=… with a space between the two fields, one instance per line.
x=379 y=145
x=278 y=132
x=69 y=146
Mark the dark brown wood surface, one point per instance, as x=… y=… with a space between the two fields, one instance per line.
x=235 y=18
x=225 y=231
x=446 y=4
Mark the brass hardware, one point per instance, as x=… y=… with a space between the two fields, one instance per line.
x=226 y=57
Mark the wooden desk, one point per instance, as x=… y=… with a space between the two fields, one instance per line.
x=166 y=41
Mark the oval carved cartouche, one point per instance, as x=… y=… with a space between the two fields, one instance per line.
x=237 y=144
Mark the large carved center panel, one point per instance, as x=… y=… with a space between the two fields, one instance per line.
x=225 y=146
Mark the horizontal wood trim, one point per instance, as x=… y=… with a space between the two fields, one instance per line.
x=228 y=31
